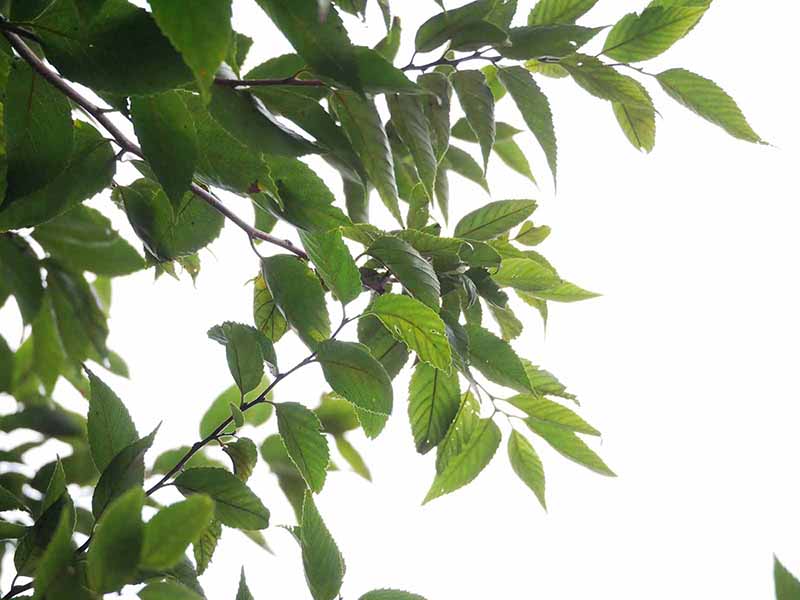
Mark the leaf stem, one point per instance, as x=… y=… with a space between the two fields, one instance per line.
x=99 y=115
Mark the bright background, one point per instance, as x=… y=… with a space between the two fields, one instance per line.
x=687 y=363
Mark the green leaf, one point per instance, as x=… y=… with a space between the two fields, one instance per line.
x=322 y=561
x=168 y=590
x=56 y=558
x=390 y=45
x=496 y=360
x=638 y=123
x=205 y=546
x=110 y=427
x=167 y=235
x=477 y=101
x=38 y=131
x=526 y=274
x=494 y=219
x=547 y=411
x=121 y=51
x=386 y=594
x=201 y=34
x=353 y=373
x=172 y=529
x=81 y=321
x=605 y=82
x=570 y=445
x=117 y=543
x=364 y=128
x=416 y=325
x=299 y=295
x=787 y=587
x=708 y=100
x=325 y=46
x=642 y=37
x=89 y=171
x=19 y=268
x=169 y=458
x=84 y=239
x=165 y=129
x=11 y=531
x=535 y=109
x=514 y=157
x=352 y=456
x=442 y=27
x=564 y=291
x=237 y=415
x=437 y=110
x=334 y=263
x=468 y=447
x=124 y=472
x=235 y=504
x=527 y=465
x=244 y=456
x=462 y=163
x=547 y=12
x=478 y=35
x=390 y=352
x=307 y=447
x=9 y=501
x=510 y=326
x=411 y=124
x=248 y=120
x=462 y=131
x=243 y=592
x=246 y=349
x=433 y=401
x=377 y=75
x=220 y=409
x=536 y=41
x=414 y=272
x=268 y=318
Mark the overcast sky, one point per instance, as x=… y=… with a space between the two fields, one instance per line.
x=687 y=364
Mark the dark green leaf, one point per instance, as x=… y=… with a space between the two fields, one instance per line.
x=56 y=558
x=84 y=239
x=377 y=75
x=468 y=446
x=110 y=427
x=416 y=325
x=236 y=505
x=527 y=465
x=386 y=594
x=437 y=109
x=390 y=45
x=205 y=546
x=165 y=129
x=121 y=51
x=496 y=360
x=322 y=561
x=325 y=46
x=411 y=124
x=787 y=587
x=570 y=445
x=477 y=101
x=536 y=41
x=390 y=352
x=353 y=373
x=168 y=590
x=514 y=157
x=462 y=163
x=305 y=444
x=535 y=109
x=201 y=34
x=9 y=501
x=494 y=219
x=246 y=350
x=117 y=543
x=38 y=131
x=605 y=82
x=411 y=269
x=433 y=401
x=172 y=529
x=708 y=100
x=11 y=531
x=334 y=263
x=220 y=409
x=244 y=456
x=124 y=472
x=299 y=295
x=478 y=35
x=20 y=272
x=547 y=12
x=352 y=456
x=243 y=592
x=268 y=318
x=364 y=128
x=442 y=27
x=89 y=171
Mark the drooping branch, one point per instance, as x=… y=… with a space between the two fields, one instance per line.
x=99 y=115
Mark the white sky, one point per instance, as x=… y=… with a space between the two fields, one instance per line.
x=687 y=363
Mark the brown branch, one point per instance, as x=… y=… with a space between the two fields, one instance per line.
x=99 y=115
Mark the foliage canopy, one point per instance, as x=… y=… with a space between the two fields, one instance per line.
x=204 y=123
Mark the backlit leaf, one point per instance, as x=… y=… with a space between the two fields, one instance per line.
x=235 y=504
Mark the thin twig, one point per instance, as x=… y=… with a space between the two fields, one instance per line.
x=452 y=62
x=293 y=81
x=99 y=115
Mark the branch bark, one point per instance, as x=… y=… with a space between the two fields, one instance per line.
x=99 y=115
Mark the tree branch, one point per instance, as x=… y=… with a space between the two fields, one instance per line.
x=452 y=62
x=268 y=82
x=99 y=115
